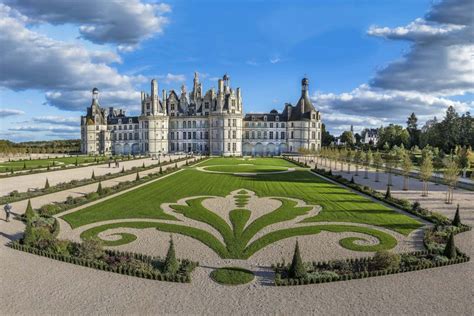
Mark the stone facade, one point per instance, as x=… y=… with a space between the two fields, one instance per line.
x=210 y=123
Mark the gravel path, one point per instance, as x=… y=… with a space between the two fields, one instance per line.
x=32 y=181
x=37 y=285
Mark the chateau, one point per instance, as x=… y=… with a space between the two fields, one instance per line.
x=211 y=123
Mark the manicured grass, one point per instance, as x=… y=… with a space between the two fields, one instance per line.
x=338 y=203
x=232 y=276
x=44 y=163
x=246 y=168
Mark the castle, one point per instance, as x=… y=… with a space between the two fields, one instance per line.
x=211 y=123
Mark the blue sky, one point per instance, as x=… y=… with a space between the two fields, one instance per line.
x=370 y=63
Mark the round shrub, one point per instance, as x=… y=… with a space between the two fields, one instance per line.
x=385 y=260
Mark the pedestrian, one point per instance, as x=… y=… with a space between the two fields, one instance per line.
x=8 y=211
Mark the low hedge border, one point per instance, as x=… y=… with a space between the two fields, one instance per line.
x=90 y=197
x=23 y=172
x=78 y=183
x=461 y=258
x=183 y=277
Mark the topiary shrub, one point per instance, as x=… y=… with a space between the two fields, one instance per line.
x=297 y=269
x=100 y=191
x=385 y=260
x=137 y=177
x=46 y=185
x=450 y=249
x=457 y=218
x=388 y=194
x=29 y=213
x=171 y=265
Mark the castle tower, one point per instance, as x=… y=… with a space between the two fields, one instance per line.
x=154 y=97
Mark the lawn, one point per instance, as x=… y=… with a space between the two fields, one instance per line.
x=245 y=168
x=338 y=205
x=44 y=163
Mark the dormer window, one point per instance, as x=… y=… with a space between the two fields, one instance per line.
x=120 y=121
x=130 y=121
x=264 y=117
x=277 y=118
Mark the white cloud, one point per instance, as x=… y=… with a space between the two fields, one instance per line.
x=67 y=72
x=10 y=112
x=123 y=23
x=172 y=78
x=51 y=129
x=370 y=107
x=57 y=120
x=275 y=60
x=440 y=60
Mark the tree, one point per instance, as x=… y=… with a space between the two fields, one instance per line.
x=123 y=169
x=326 y=137
x=357 y=160
x=46 y=185
x=347 y=138
x=377 y=163
x=297 y=269
x=451 y=174
x=171 y=264
x=388 y=194
x=463 y=154
x=426 y=170
x=412 y=128
x=367 y=160
x=407 y=165
x=389 y=159
x=457 y=218
x=29 y=213
x=450 y=249
x=100 y=191
x=349 y=156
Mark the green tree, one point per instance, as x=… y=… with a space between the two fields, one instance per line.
x=349 y=157
x=407 y=165
x=378 y=161
x=29 y=213
x=326 y=137
x=347 y=138
x=451 y=175
x=367 y=161
x=357 y=160
x=297 y=269
x=463 y=154
x=100 y=190
x=171 y=264
x=450 y=249
x=412 y=128
x=457 y=218
x=426 y=170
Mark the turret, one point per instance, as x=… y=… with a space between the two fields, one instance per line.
x=304 y=87
x=163 y=101
x=95 y=96
x=220 y=86
x=154 y=96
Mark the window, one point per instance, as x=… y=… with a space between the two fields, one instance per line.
x=259 y=134
x=194 y=124
x=130 y=136
x=189 y=135
x=253 y=134
x=282 y=135
x=125 y=127
x=234 y=147
x=265 y=135
x=228 y=134
x=234 y=122
x=271 y=135
x=206 y=135
x=282 y=124
x=234 y=134
x=228 y=146
x=313 y=135
x=184 y=135
x=276 y=135
x=292 y=135
x=292 y=125
x=194 y=135
x=184 y=124
x=313 y=124
x=277 y=118
x=206 y=105
x=247 y=134
x=172 y=106
x=228 y=122
x=271 y=125
x=172 y=135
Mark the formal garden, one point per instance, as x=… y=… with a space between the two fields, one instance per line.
x=221 y=210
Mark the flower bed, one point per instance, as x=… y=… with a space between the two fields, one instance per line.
x=127 y=263
x=358 y=268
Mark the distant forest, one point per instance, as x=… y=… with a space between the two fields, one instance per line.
x=72 y=146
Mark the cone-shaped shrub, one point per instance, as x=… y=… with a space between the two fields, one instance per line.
x=138 y=177
x=93 y=175
x=297 y=268
x=457 y=218
x=143 y=165
x=388 y=194
x=123 y=169
x=176 y=165
x=46 y=185
x=29 y=236
x=76 y=162
x=450 y=249
x=100 y=191
x=29 y=213
x=161 y=170
x=352 y=179
x=171 y=264
x=24 y=165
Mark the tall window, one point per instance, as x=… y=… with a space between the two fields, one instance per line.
x=271 y=135
x=282 y=135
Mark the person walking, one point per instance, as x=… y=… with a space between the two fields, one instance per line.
x=8 y=210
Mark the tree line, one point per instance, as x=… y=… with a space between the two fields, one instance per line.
x=39 y=147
